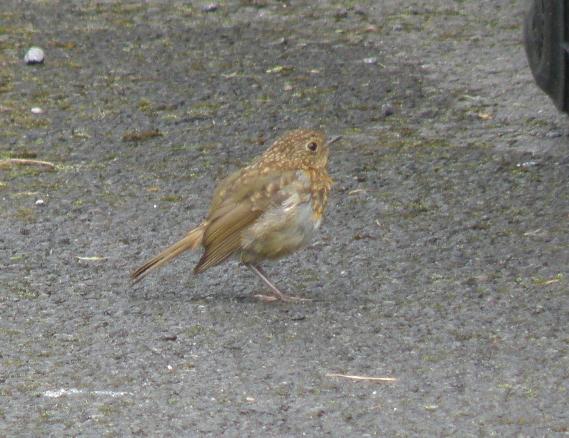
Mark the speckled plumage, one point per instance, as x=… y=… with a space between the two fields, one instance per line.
x=265 y=210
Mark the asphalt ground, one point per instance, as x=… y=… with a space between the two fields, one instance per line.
x=442 y=262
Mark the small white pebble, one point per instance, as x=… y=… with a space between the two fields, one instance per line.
x=250 y=399
x=34 y=55
x=527 y=164
x=212 y=7
x=154 y=205
x=37 y=110
x=372 y=60
x=40 y=202
x=387 y=109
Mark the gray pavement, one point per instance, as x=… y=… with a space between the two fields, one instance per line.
x=442 y=261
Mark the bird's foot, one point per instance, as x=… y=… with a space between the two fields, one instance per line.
x=277 y=294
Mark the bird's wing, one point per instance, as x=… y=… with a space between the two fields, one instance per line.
x=248 y=198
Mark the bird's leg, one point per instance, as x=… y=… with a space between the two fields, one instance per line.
x=278 y=295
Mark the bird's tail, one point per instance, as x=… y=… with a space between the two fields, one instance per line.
x=191 y=241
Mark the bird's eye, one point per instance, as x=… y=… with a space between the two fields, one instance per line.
x=312 y=146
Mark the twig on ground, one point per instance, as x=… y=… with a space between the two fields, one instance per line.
x=9 y=162
x=367 y=378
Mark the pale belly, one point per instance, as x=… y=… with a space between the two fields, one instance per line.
x=279 y=232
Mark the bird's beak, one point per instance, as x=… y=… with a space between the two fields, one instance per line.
x=334 y=139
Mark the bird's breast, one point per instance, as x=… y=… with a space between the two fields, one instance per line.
x=280 y=231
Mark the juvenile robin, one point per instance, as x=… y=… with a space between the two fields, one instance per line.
x=266 y=210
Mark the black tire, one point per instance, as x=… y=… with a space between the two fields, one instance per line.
x=545 y=39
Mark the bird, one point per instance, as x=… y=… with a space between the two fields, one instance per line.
x=263 y=211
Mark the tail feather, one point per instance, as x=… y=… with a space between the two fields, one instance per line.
x=191 y=241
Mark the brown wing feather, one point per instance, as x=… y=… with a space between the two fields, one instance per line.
x=247 y=198
x=223 y=235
